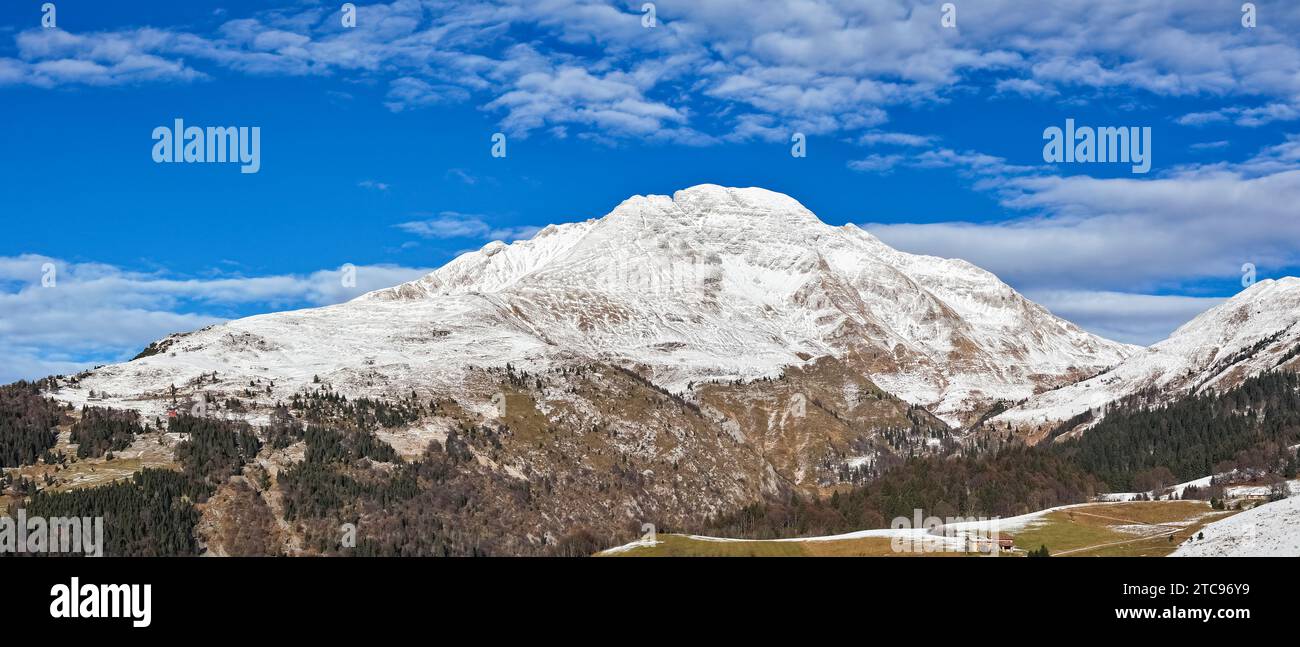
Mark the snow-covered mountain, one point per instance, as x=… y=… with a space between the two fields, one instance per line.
x=1254 y=331
x=711 y=284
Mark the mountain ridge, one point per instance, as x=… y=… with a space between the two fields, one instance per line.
x=1256 y=330
x=709 y=284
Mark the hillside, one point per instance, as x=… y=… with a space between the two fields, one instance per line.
x=1257 y=330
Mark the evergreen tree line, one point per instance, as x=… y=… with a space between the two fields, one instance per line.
x=1008 y=482
x=214 y=449
x=102 y=430
x=419 y=508
x=150 y=514
x=327 y=444
x=441 y=504
x=1137 y=445
x=327 y=406
x=28 y=423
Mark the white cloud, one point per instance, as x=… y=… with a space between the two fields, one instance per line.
x=988 y=172
x=1201 y=118
x=1132 y=318
x=406 y=93
x=451 y=224
x=51 y=57
x=876 y=137
x=462 y=175
x=96 y=313
x=876 y=163
x=816 y=66
x=1024 y=87
x=448 y=224
x=1127 y=235
x=1250 y=117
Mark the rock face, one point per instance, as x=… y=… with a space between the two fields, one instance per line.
x=1254 y=331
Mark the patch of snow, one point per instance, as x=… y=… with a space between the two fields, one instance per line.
x=1268 y=530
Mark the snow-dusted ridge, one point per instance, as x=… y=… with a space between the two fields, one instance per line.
x=1254 y=331
x=711 y=283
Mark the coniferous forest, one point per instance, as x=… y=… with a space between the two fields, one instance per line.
x=102 y=430
x=1011 y=481
x=153 y=513
x=1248 y=427
x=27 y=422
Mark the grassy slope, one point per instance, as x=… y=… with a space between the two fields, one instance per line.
x=1130 y=529
x=683 y=546
x=1135 y=529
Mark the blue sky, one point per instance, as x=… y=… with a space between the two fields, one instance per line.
x=376 y=139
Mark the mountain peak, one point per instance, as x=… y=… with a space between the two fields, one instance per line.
x=714 y=202
x=711 y=284
x=702 y=197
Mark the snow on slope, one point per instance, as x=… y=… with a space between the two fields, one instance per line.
x=1251 y=332
x=711 y=283
x=1268 y=530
